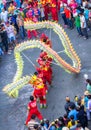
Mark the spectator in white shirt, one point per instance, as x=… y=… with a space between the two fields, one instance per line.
x=42 y=15
x=4 y=15
x=32 y=122
x=83 y=26
x=11 y=34
x=10 y=31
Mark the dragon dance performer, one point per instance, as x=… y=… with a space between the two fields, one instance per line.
x=45 y=61
x=42 y=80
x=54 y=10
x=40 y=93
x=40 y=75
x=46 y=11
x=46 y=71
x=39 y=89
x=46 y=40
x=43 y=55
x=45 y=58
x=43 y=36
x=33 y=110
x=58 y=5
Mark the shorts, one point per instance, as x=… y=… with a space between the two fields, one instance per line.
x=11 y=39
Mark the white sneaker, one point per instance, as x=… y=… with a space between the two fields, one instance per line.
x=9 y=53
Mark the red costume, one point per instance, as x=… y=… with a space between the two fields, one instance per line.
x=48 y=43
x=46 y=40
x=32 y=107
x=43 y=54
x=46 y=71
x=44 y=81
x=58 y=4
x=43 y=36
x=46 y=11
x=39 y=89
x=35 y=3
x=29 y=34
x=40 y=61
x=32 y=33
x=44 y=57
x=41 y=94
x=54 y=10
x=48 y=74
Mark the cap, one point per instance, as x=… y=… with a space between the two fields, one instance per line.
x=86 y=93
x=53 y=123
x=65 y=128
x=85 y=76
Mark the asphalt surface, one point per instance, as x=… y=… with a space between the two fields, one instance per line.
x=13 y=111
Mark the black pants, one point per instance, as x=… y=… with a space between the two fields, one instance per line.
x=17 y=28
x=84 y=31
x=5 y=44
x=64 y=19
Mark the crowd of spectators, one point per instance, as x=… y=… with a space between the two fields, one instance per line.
x=74 y=14
x=77 y=16
x=76 y=117
x=12 y=17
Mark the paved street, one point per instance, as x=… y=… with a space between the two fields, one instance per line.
x=13 y=111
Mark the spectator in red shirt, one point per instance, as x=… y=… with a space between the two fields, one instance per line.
x=68 y=17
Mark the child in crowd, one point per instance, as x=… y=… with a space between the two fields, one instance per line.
x=78 y=25
x=42 y=14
